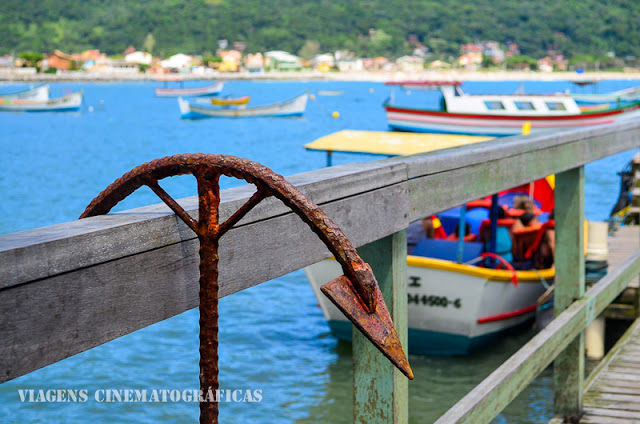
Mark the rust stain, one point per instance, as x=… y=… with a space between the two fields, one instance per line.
x=356 y=293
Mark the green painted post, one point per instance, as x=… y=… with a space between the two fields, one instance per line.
x=380 y=391
x=568 y=367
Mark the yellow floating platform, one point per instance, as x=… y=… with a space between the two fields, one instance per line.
x=390 y=143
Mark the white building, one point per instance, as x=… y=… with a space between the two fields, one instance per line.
x=179 y=61
x=141 y=58
x=355 y=65
x=410 y=63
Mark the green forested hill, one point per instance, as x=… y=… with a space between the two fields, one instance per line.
x=572 y=27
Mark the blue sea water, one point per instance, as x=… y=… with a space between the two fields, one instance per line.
x=272 y=337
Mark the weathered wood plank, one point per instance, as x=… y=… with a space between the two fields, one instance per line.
x=606 y=420
x=633 y=370
x=607 y=387
x=625 y=239
x=612 y=393
x=489 y=167
x=615 y=404
x=139 y=290
x=35 y=254
x=380 y=390
x=596 y=412
x=587 y=145
x=568 y=368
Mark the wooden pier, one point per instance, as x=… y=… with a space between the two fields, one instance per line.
x=140 y=267
x=613 y=390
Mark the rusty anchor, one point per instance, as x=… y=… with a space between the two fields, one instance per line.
x=356 y=293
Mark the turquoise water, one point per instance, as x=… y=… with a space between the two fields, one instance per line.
x=272 y=337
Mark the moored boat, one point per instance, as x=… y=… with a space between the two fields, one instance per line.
x=291 y=107
x=40 y=92
x=497 y=115
x=70 y=102
x=613 y=99
x=210 y=90
x=457 y=302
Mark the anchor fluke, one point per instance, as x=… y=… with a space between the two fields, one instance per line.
x=376 y=326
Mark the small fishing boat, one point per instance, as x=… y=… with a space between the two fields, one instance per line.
x=225 y=101
x=291 y=107
x=70 y=102
x=497 y=115
x=210 y=90
x=456 y=304
x=613 y=99
x=40 y=92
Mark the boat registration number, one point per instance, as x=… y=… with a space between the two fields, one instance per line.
x=441 y=301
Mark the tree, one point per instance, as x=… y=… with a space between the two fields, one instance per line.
x=149 y=42
x=309 y=50
x=380 y=43
x=31 y=59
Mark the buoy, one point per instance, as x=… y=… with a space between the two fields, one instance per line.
x=335 y=114
x=312 y=96
x=90 y=108
x=371 y=90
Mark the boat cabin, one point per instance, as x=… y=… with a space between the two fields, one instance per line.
x=455 y=100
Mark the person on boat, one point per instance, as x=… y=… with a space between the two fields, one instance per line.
x=527 y=219
x=524 y=203
x=468 y=235
x=547 y=248
x=424 y=228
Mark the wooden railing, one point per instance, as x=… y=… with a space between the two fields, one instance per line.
x=139 y=267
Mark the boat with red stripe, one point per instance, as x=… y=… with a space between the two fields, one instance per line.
x=496 y=114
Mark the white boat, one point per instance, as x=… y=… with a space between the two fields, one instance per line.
x=69 y=102
x=291 y=107
x=614 y=99
x=453 y=309
x=210 y=90
x=497 y=115
x=40 y=92
x=454 y=305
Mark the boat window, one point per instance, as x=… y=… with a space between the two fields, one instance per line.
x=524 y=106
x=494 y=105
x=555 y=106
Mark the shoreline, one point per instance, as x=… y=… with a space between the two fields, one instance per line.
x=451 y=75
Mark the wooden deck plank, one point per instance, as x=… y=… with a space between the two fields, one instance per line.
x=607 y=420
x=612 y=413
x=610 y=388
x=613 y=392
x=625 y=240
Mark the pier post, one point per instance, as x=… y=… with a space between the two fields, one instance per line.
x=380 y=389
x=568 y=368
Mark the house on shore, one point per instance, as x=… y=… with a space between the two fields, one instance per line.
x=58 y=60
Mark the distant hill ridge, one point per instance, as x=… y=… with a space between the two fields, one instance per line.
x=570 y=27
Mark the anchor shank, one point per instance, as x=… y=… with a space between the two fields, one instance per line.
x=209 y=200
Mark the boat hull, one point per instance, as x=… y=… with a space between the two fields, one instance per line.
x=70 y=102
x=615 y=99
x=452 y=309
x=292 y=107
x=210 y=90
x=418 y=120
x=40 y=93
